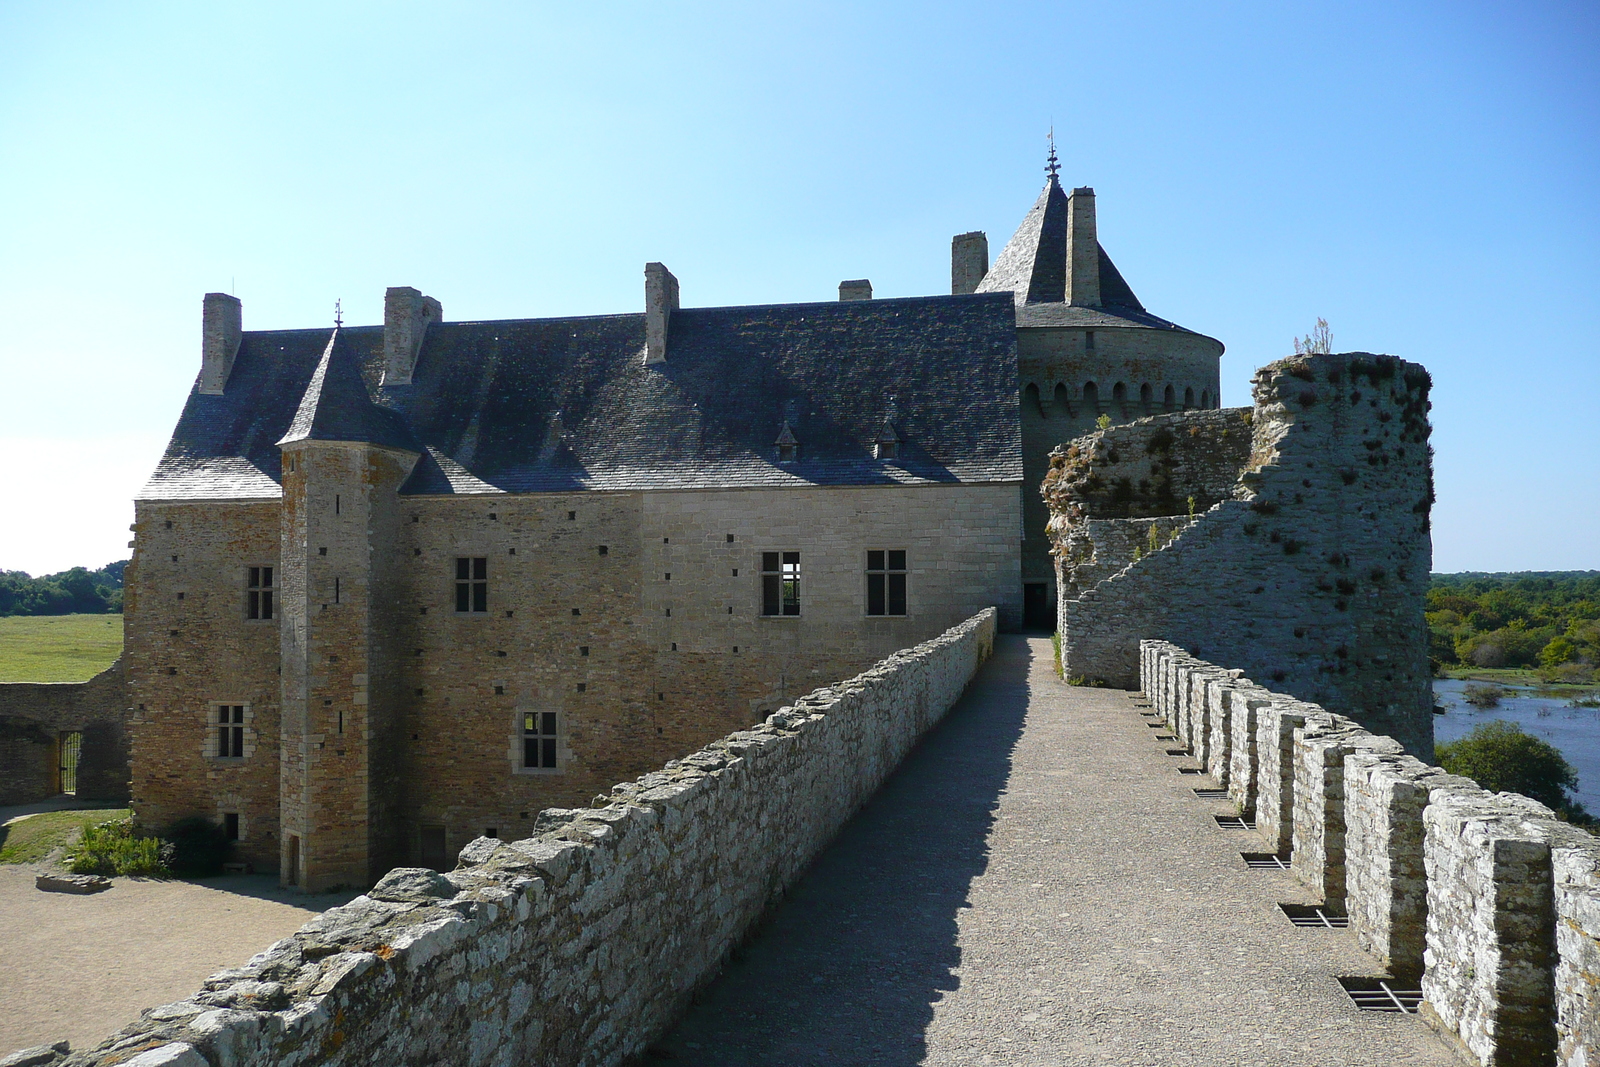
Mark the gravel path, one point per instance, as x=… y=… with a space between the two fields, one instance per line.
x=81 y=967
x=1038 y=886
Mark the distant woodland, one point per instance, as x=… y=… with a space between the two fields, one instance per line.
x=1546 y=621
x=79 y=591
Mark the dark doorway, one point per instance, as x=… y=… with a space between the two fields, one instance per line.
x=70 y=747
x=292 y=875
x=1037 y=611
x=433 y=847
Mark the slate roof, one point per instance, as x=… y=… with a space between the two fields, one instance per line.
x=534 y=405
x=1033 y=268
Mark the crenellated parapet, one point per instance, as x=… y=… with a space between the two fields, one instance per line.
x=1487 y=903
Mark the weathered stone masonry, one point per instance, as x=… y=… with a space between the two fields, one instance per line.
x=33 y=718
x=581 y=944
x=1488 y=899
x=1308 y=573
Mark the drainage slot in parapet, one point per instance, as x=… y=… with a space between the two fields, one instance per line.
x=1383 y=994
x=1175 y=751
x=1265 y=861
x=1235 y=822
x=1316 y=916
x=1157 y=725
x=1211 y=794
x=1141 y=705
x=1191 y=770
x=1165 y=737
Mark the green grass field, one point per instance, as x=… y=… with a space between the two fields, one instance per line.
x=30 y=840
x=58 y=648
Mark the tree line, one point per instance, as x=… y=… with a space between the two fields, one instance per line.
x=1545 y=620
x=78 y=591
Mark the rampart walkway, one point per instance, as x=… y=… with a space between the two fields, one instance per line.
x=1038 y=885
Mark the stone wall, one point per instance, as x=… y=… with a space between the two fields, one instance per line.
x=582 y=943
x=1310 y=577
x=634 y=617
x=1487 y=900
x=33 y=716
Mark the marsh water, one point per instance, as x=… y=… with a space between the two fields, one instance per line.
x=1575 y=731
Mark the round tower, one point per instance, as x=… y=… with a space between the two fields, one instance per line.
x=1086 y=348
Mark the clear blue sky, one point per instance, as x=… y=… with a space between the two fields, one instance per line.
x=1423 y=175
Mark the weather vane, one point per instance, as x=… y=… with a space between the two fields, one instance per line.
x=1052 y=168
x=338 y=313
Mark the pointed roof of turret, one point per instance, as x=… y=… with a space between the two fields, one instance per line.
x=1034 y=263
x=337 y=407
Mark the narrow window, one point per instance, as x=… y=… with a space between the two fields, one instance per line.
x=230 y=731
x=1088 y=340
x=336 y=590
x=472 y=584
x=230 y=825
x=539 y=739
x=258 y=599
x=886 y=581
x=780 y=583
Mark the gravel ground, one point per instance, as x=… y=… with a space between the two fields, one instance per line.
x=1038 y=885
x=81 y=967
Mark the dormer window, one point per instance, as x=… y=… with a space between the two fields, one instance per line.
x=788 y=444
x=886 y=450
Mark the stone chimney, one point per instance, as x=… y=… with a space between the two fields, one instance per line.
x=1083 y=250
x=855 y=289
x=969 y=261
x=660 y=301
x=219 y=341
x=406 y=316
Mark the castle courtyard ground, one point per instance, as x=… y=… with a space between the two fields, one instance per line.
x=1038 y=885
x=81 y=967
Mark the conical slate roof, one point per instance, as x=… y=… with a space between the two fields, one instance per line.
x=1033 y=264
x=336 y=406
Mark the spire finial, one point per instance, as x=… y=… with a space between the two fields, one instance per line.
x=1052 y=168
x=338 y=313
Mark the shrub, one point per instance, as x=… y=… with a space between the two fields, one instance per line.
x=1501 y=758
x=113 y=848
x=1483 y=696
x=199 y=846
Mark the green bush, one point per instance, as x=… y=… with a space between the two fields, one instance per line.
x=199 y=846
x=113 y=848
x=1501 y=758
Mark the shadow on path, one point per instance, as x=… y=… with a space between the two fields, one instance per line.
x=848 y=968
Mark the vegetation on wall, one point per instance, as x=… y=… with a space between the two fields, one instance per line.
x=1537 y=620
x=78 y=591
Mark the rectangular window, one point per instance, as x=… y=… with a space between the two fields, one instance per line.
x=472 y=583
x=258 y=598
x=539 y=739
x=780 y=583
x=886 y=581
x=230 y=825
x=230 y=731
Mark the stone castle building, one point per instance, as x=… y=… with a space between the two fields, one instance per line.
x=397 y=587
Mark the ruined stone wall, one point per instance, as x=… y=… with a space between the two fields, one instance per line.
x=1312 y=578
x=582 y=943
x=33 y=716
x=1109 y=489
x=1066 y=385
x=1487 y=900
